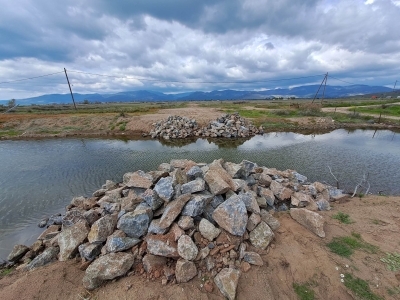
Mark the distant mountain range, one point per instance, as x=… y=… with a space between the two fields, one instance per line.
x=306 y=91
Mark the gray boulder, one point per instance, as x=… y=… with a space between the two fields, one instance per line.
x=164 y=188
x=17 y=253
x=152 y=199
x=46 y=257
x=89 y=251
x=102 y=228
x=117 y=244
x=197 y=204
x=107 y=267
x=232 y=216
x=70 y=239
x=193 y=186
x=136 y=223
x=185 y=271
x=208 y=230
x=187 y=248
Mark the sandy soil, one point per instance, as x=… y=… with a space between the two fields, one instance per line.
x=296 y=256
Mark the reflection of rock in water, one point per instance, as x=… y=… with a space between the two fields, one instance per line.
x=220 y=142
x=177 y=142
x=227 y=143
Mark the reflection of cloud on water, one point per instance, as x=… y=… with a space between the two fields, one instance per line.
x=274 y=140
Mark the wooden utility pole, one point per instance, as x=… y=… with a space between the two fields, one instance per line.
x=323 y=93
x=323 y=80
x=394 y=88
x=72 y=95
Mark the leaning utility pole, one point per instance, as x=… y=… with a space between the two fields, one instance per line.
x=394 y=88
x=72 y=95
x=323 y=80
x=323 y=93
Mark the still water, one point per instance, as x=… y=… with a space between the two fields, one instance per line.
x=40 y=177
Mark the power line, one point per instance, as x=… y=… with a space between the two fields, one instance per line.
x=330 y=76
x=31 y=77
x=175 y=81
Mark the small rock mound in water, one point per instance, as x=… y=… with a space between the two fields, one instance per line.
x=227 y=126
x=182 y=220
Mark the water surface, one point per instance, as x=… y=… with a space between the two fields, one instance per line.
x=40 y=177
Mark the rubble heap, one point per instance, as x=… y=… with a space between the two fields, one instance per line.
x=228 y=126
x=183 y=220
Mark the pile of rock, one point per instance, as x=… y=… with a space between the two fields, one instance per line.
x=183 y=220
x=228 y=126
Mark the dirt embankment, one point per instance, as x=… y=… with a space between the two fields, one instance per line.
x=22 y=126
x=296 y=256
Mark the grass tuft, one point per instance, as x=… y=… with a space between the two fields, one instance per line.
x=392 y=260
x=303 y=291
x=343 y=218
x=359 y=287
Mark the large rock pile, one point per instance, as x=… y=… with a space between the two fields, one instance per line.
x=228 y=126
x=183 y=220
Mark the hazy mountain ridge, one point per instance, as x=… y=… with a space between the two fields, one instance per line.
x=307 y=91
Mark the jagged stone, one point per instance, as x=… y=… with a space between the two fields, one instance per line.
x=173 y=210
x=234 y=170
x=117 y=244
x=197 y=204
x=73 y=216
x=153 y=262
x=299 y=199
x=102 y=228
x=300 y=178
x=253 y=221
x=138 y=179
x=89 y=251
x=281 y=192
x=309 y=219
x=194 y=172
x=46 y=257
x=107 y=267
x=265 y=180
x=268 y=195
x=187 y=248
x=186 y=222
x=99 y=193
x=152 y=199
x=193 y=186
x=185 y=271
x=70 y=239
x=136 y=223
x=208 y=230
x=248 y=167
x=218 y=180
x=50 y=232
x=155 y=228
x=17 y=253
x=250 y=202
x=164 y=188
x=227 y=280
x=182 y=163
x=270 y=220
x=232 y=216
x=162 y=245
x=261 y=236
x=253 y=258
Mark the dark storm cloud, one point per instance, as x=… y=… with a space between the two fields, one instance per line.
x=180 y=40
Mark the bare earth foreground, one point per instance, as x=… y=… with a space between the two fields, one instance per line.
x=296 y=256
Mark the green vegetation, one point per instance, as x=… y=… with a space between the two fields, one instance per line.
x=394 y=291
x=393 y=110
x=392 y=261
x=343 y=218
x=9 y=132
x=6 y=272
x=359 y=287
x=303 y=291
x=345 y=246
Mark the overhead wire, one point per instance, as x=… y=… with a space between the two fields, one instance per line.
x=23 y=79
x=209 y=82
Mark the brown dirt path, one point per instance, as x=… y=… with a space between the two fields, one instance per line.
x=295 y=256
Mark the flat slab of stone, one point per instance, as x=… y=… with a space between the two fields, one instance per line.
x=173 y=210
x=309 y=219
x=139 y=179
x=70 y=239
x=107 y=267
x=231 y=215
x=17 y=252
x=227 y=281
x=46 y=257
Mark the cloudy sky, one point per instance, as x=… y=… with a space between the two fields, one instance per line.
x=186 y=45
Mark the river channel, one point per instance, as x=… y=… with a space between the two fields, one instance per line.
x=40 y=177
